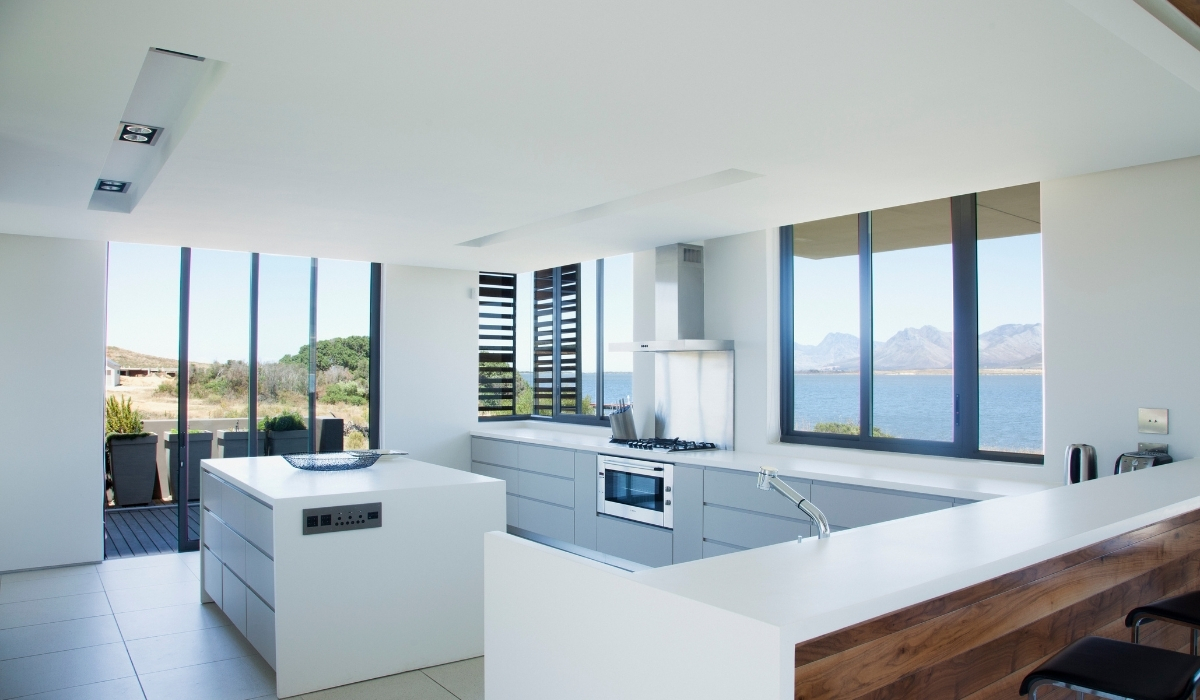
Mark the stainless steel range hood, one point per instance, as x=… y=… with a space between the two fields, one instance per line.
x=693 y=376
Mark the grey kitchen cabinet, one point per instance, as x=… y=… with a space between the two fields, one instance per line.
x=747 y=529
x=740 y=490
x=550 y=489
x=716 y=549
x=586 y=470
x=508 y=475
x=644 y=544
x=854 y=506
x=963 y=502
x=496 y=452
x=546 y=460
x=546 y=519
x=688 y=515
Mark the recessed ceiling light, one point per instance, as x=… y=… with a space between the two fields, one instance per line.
x=138 y=133
x=112 y=186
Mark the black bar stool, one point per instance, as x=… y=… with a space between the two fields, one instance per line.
x=1180 y=610
x=1118 y=670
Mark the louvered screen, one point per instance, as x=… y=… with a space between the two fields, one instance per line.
x=543 y=342
x=570 y=340
x=497 y=344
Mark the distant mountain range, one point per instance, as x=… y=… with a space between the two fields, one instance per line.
x=1011 y=346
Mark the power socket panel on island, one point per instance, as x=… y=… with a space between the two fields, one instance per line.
x=361 y=516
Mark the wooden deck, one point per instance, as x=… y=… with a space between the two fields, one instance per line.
x=132 y=532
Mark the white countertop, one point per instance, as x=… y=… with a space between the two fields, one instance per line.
x=271 y=478
x=818 y=586
x=927 y=482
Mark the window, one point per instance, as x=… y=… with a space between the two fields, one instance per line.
x=542 y=339
x=917 y=328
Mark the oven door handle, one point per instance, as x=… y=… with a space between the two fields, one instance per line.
x=626 y=467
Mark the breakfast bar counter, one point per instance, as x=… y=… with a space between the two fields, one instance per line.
x=956 y=602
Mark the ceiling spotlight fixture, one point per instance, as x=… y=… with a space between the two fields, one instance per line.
x=112 y=186
x=138 y=133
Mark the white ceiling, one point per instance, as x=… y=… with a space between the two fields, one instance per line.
x=393 y=131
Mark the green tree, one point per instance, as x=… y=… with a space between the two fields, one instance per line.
x=846 y=429
x=352 y=352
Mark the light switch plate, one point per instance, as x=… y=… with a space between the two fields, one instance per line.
x=1152 y=420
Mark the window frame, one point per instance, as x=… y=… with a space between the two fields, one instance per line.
x=964 y=255
x=557 y=415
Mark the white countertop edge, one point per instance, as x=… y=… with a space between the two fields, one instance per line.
x=896 y=479
x=834 y=620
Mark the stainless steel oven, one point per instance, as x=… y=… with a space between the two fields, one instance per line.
x=635 y=489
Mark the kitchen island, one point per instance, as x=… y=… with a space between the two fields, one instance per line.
x=951 y=603
x=338 y=577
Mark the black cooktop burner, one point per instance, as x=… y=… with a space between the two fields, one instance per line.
x=665 y=444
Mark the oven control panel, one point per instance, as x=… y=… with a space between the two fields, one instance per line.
x=316 y=521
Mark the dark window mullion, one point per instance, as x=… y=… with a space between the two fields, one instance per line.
x=964 y=226
x=787 y=320
x=866 y=332
x=599 y=339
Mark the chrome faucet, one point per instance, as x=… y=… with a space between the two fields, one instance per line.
x=768 y=478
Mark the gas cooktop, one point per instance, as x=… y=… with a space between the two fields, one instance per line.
x=665 y=444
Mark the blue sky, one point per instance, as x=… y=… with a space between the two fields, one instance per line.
x=143 y=302
x=913 y=289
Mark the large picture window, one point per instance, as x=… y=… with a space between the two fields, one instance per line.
x=917 y=328
x=542 y=339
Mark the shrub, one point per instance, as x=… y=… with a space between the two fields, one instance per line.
x=121 y=418
x=846 y=429
x=283 y=421
x=345 y=392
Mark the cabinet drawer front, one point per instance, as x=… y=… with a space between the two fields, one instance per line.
x=259 y=525
x=545 y=519
x=546 y=460
x=260 y=628
x=643 y=544
x=212 y=576
x=750 y=529
x=548 y=488
x=508 y=475
x=233 y=599
x=847 y=506
x=716 y=549
x=494 y=452
x=210 y=493
x=233 y=551
x=233 y=507
x=740 y=490
x=213 y=531
x=260 y=575
x=513 y=504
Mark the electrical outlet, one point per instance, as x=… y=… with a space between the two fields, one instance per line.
x=315 y=521
x=1152 y=421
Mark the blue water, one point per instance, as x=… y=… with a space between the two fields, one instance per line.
x=617 y=385
x=921 y=406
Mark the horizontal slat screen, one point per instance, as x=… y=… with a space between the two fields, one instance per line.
x=497 y=344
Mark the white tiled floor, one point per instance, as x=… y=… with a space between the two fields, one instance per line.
x=133 y=628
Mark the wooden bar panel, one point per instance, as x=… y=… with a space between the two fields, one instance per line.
x=980 y=642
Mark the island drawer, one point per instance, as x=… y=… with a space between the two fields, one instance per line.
x=546 y=460
x=260 y=627
x=212 y=576
x=233 y=599
x=855 y=506
x=508 y=475
x=750 y=529
x=548 y=488
x=740 y=490
x=494 y=452
x=260 y=574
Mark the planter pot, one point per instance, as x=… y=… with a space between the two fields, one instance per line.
x=133 y=463
x=199 y=447
x=287 y=442
x=330 y=434
x=235 y=443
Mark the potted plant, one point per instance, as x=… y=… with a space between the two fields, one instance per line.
x=286 y=434
x=132 y=454
x=236 y=443
x=199 y=447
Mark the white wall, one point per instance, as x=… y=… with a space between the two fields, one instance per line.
x=52 y=293
x=1122 y=257
x=430 y=363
